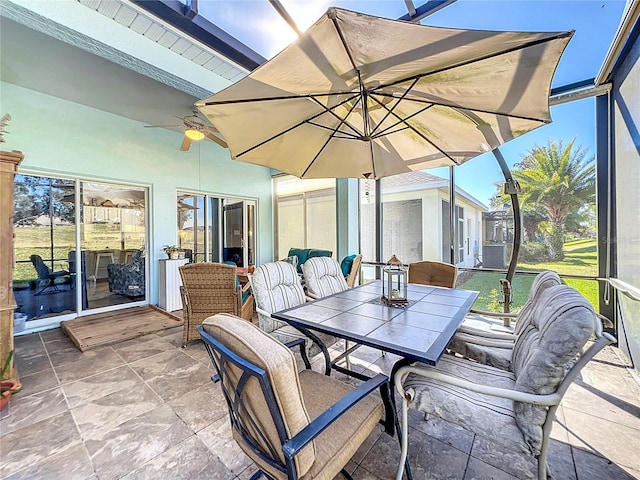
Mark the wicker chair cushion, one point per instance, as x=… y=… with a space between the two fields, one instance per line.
x=323 y=276
x=254 y=345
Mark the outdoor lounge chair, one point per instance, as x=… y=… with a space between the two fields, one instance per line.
x=292 y=425
x=47 y=276
x=209 y=288
x=483 y=337
x=276 y=286
x=439 y=274
x=515 y=409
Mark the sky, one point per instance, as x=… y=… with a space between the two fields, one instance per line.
x=256 y=24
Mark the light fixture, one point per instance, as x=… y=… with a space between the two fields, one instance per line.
x=194 y=134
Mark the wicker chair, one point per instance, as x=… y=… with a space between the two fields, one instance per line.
x=207 y=289
x=439 y=274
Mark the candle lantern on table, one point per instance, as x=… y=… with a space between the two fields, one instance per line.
x=394 y=282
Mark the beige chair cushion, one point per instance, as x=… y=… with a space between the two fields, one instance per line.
x=340 y=441
x=259 y=348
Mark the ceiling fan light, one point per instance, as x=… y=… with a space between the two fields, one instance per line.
x=194 y=134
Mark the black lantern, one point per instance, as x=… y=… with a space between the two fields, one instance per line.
x=394 y=282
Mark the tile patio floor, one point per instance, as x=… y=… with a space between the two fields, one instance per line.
x=146 y=409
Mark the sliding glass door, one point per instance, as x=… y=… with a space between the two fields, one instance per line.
x=217 y=229
x=75 y=247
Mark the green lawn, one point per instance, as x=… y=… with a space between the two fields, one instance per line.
x=580 y=259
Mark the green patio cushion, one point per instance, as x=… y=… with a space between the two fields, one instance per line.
x=315 y=252
x=345 y=264
x=301 y=253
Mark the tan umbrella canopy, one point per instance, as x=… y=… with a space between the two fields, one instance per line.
x=366 y=97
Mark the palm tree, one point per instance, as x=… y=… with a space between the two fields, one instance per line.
x=561 y=180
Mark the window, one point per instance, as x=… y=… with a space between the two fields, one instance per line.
x=305 y=214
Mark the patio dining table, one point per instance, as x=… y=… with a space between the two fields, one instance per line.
x=419 y=331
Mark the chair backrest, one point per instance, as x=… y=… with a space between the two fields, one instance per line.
x=323 y=276
x=354 y=269
x=209 y=288
x=259 y=379
x=541 y=282
x=561 y=323
x=435 y=273
x=43 y=271
x=275 y=286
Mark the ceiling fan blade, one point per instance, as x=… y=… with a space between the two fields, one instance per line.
x=163 y=126
x=216 y=139
x=186 y=144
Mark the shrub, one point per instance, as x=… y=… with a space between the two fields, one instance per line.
x=534 y=252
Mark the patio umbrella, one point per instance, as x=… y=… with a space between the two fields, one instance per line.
x=366 y=97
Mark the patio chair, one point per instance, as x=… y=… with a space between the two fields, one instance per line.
x=276 y=286
x=292 y=425
x=128 y=278
x=351 y=268
x=515 y=409
x=209 y=288
x=428 y=272
x=483 y=337
x=323 y=276
x=47 y=276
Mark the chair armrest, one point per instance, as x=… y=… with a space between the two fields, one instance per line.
x=311 y=296
x=486 y=341
x=317 y=426
x=263 y=312
x=488 y=334
x=494 y=314
x=534 y=399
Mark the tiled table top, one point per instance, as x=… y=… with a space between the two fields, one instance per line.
x=419 y=331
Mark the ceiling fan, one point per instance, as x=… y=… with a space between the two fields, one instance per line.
x=194 y=128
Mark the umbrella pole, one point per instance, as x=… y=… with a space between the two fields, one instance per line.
x=513 y=189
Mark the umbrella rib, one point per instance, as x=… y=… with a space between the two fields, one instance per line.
x=406 y=91
x=292 y=127
x=458 y=107
x=357 y=134
x=335 y=130
x=348 y=136
x=363 y=94
x=532 y=43
x=281 y=97
x=382 y=133
x=424 y=137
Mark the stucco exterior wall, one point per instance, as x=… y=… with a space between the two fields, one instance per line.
x=69 y=140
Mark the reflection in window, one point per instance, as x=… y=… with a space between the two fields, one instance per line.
x=53 y=274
